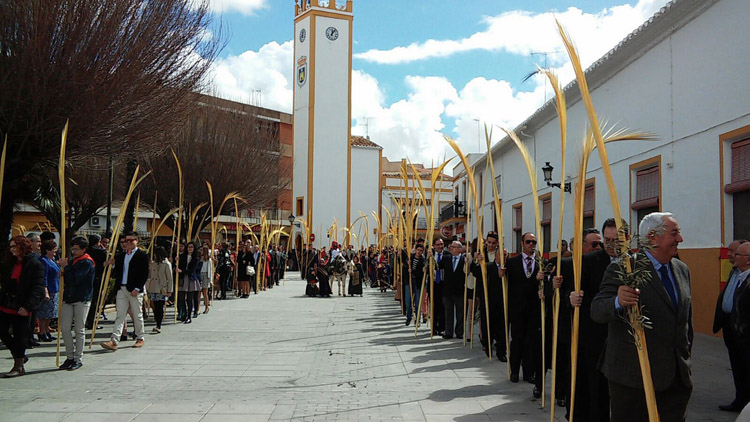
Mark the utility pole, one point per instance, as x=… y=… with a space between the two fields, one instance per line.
x=546 y=55
x=366 y=124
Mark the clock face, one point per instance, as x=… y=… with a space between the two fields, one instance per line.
x=302 y=35
x=332 y=33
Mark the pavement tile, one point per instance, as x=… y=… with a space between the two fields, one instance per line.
x=110 y=407
x=280 y=356
x=100 y=417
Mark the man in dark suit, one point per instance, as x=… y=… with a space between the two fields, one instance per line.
x=592 y=397
x=439 y=253
x=725 y=307
x=523 y=313
x=494 y=297
x=452 y=290
x=665 y=299
x=131 y=272
x=741 y=315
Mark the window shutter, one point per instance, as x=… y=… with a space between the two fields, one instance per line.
x=646 y=188
x=740 y=167
x=517 y=218
x=546 y=211
x=589 y=201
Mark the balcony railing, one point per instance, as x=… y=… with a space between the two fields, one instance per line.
x=455 y=209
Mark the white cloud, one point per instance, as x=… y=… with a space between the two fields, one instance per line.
x=245 y=7
x=521 y=32
x=414 y=127
x=268 y=70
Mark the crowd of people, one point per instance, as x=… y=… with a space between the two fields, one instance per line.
x=608 y=376
x=140 y=282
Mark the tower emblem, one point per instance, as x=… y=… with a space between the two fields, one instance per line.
x=302 y=71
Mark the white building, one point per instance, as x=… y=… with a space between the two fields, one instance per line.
x=395 y=189
x=682 y=76
x=328 y=170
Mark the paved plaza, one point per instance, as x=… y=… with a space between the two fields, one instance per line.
x=283 y=356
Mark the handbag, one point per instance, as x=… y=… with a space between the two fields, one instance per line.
x=250 y=270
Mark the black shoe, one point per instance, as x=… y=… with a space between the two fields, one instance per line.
x=124 y=337
x=50 y=337
x=67 y=364
x=75 y=365
x=408 y=321
x=530 y=379
x=33 y=343
x=460 y=337
x=537 y=393
x=513 y=377
x=732 y=407
x=132 y=334
x=503 y=357
x=188 y=321
x=447 y=336
x=561 y=402
x=195 y=314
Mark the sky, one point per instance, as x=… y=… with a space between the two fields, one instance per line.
x=425 y=69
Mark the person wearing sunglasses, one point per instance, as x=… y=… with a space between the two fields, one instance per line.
x=131 y=269
x=523 y=311
x=591 y=386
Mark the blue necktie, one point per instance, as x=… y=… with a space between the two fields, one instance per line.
x=455 y=263
x=664 y=275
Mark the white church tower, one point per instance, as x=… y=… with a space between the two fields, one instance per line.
x=322 y=115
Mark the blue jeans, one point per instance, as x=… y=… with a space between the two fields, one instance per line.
x=411 y=304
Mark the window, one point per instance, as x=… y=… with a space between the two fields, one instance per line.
x=647 y=190
x=739 y=188
x=300 y=206
x=517 y=226
x=546 y=209
x=589 y=204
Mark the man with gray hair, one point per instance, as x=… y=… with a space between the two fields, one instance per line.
x=452 y=290
x=665 y=299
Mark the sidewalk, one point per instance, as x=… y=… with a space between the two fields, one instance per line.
x=283 y=356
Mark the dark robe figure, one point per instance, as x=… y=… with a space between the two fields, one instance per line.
x=312 y=283
x=323 y=284
x=355 y=279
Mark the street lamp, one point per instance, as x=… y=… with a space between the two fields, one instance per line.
x=291 y=219
x=547 y=169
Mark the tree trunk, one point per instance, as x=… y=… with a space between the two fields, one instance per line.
x=130 y=210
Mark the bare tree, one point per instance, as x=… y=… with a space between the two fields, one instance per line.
x=86 y=189
x=121 y=71
x=236 y=150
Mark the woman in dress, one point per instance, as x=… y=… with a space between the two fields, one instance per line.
x=188 y=271
x=356 y=276
x=48 y=310
x=159 y=285
x=207 y=277
x=245 y=262
x=21 y=293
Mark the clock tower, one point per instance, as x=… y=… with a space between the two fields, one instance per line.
x=322 y=115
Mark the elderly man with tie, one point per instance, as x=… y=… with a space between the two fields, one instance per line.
x=722 y=322
x=665 y=298
x=740 y=318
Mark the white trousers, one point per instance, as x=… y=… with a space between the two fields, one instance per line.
x=340 y=280
x=124 y=301
x=73 y=318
